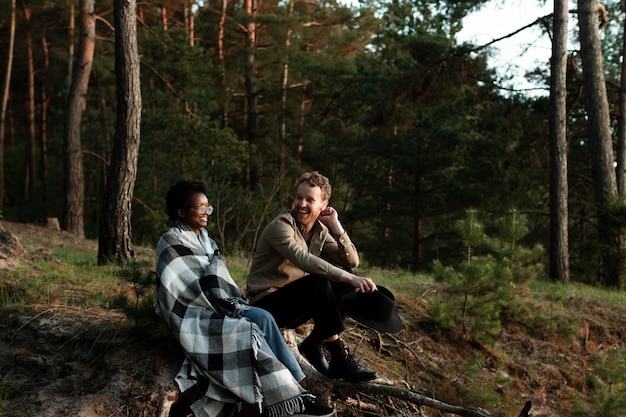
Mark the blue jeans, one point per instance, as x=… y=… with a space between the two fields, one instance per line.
x=274 y=339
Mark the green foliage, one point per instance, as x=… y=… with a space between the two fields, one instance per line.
x=609 y=399
x=139 y=306
x=411 y=129
x=548 y=315
x=475 y=387
x=479 y=290
x=476 y=294
x=11 y=296
x=610 y=369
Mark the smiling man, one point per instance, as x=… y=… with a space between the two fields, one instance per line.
x=301 y=269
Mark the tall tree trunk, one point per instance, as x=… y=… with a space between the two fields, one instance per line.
x=164 y=17
x=220 y=58
x=29 y=166
x=559 y=246
x=73 y=159
x=190 y=22
x=303 y=109
x=70 y=45
x=418 y=221
x=5 y=98
x=601 y=144
x=115 y=239
x=284 y=85
x=251 y=115
x=621 y=118
x=45 y=102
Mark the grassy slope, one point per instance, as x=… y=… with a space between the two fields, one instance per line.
x=563 y=348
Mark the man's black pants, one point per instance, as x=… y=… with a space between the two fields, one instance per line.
x=311 y=297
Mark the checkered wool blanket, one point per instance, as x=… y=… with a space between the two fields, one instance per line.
x=202 y=305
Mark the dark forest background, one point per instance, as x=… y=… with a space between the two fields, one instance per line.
x=417 y=133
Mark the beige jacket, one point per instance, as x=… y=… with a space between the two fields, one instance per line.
x=283 y=256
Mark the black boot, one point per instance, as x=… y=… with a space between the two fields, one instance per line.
x=311 y=349
x=343 y=366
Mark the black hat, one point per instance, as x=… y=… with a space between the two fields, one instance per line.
x=376 y=309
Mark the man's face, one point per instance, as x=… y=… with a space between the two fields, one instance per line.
x=308 y=204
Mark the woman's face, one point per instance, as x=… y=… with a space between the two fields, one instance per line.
x=197 y=212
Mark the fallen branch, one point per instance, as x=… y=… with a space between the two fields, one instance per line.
x=327 y=388
x=407 y=395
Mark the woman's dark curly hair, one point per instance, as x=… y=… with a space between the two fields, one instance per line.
x=180 y=194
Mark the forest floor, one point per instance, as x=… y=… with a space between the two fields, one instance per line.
x=59 y=358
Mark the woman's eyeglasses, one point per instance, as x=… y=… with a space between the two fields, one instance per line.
x=203 y=209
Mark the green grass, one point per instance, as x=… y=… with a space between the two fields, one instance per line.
x=238 y=266
x=558 y=291
x=4 y=395
x=62 y=276
x=549 y=312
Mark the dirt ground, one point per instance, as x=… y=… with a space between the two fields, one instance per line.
x=59 y=360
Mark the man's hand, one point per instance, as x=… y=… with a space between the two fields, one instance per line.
x=330 y=218
x=362 y=284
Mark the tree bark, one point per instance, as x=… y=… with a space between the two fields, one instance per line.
x=164 y=17
x=284 y=86
x=5 y=98
x=70 y=44
x=74 y=176
x=601 y=143
x=251 y=115
x=621 y=120
x=190 y=22
x=222 y=64
x=559 y=246
x=115 y=239
x=45 y=102
x=31 y=140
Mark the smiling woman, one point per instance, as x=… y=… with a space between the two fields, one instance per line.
x=187 y=201
x=196 y=215
x=233 y=352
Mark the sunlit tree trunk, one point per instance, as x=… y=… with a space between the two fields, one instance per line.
x=559 y=246
x=73 y=159
x=190 y=21
x=115 y=239
x=5 y=98
x=70 y=44
x=601 y=143
x=164 y=17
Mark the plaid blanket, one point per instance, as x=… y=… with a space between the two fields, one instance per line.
x=225 y=359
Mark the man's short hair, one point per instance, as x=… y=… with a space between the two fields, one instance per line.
x=314 y=178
